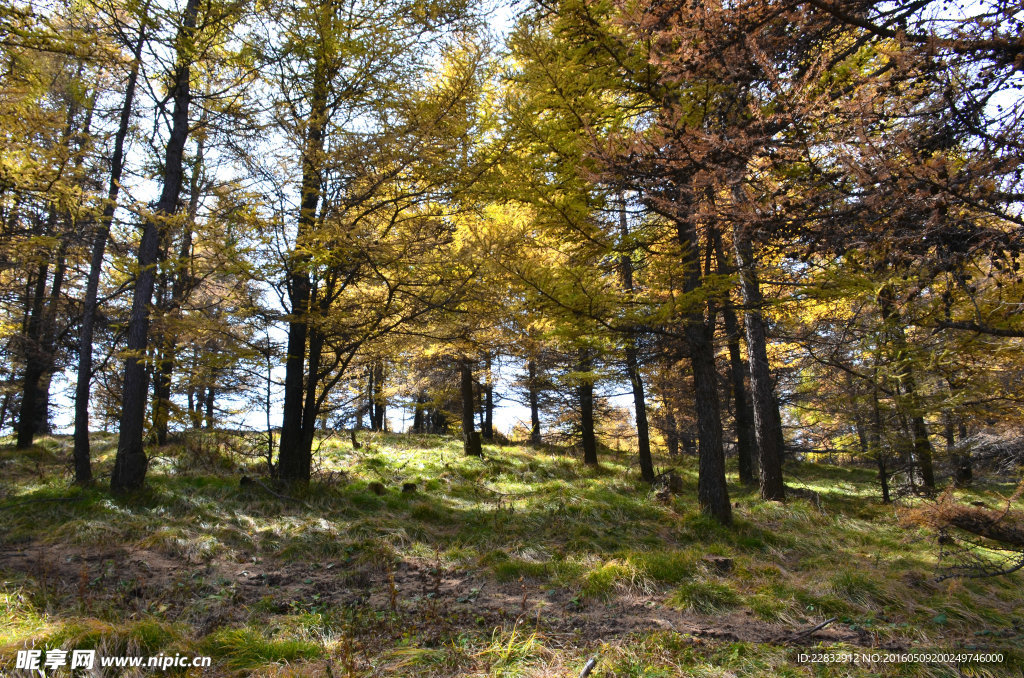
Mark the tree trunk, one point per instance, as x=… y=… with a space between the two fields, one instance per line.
x=35 y=360
x=181 y=287
x=671 y=429
x=767 y=421
x=34 y=417
x=378 y=404
x=83 y=462
x=746 y=441
x=130 y=462
x=640 y=407
x=488 y=427
x=923 y=451
x=534 y=404
x=643 y=434
x=470 y=438
x=922 y=447
x=963 y=472
x=744 y=416
x=210 y=393
x=294 y=458
x=417 y=417
x=310 y=405
x=712 y=492
x=585 y=393
x=49 y=337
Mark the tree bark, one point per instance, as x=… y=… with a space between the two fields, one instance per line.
x=643 y=434
x=470 y=438
x=181 y=287
x=671 y=429
x=35 y=360
x=712 y=492
x=746 y=445
x=417 y=417
x=534 y=404
x=41 y=356
x=378 y=404
x=131 y=462
x=922 y=447
x=767 y=421
x=585 y=392
x=963 y=473
x=487 y=429
x=210 y=394
x=83 y=462
x=294 y=458
x=746 y=441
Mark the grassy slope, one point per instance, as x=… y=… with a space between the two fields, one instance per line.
x=525 y=563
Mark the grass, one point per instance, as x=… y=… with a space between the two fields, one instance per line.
x=524 y=563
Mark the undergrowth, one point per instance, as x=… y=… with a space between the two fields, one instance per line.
x=523 y=563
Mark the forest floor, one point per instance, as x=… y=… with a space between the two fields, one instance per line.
x=523 y=563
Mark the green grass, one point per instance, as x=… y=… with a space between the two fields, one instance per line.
x=248 y=648
x=524 y=563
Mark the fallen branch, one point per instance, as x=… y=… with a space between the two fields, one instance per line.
x=803 y=634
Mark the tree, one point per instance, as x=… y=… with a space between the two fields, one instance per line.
x=354 y=104
x=130 y=463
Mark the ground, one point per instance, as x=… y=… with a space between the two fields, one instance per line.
x=524 y=563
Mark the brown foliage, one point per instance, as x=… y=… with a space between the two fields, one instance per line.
x=1005 y=526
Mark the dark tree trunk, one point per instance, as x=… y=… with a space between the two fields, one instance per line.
x=130 y=462
x=488 y=426
x=49 y=337
x=83 y=463
x=643 y=434
x=767 y=421
x=963 y=472
x=294 y=458
x=34 y=417
x=181 y=287
x=35 y=360
x=418 y=415
x=210 y=393
x=585 y=392
x=712 y=492
x=378 y=404
x=746 y=441
x=162 y=392
x=876 y=444
x=923 y=451
x=922 y=446
x=310 y=405
x=640 y=407
x=671 y=429
x=534 y=404
x=744 y=415
x=470 y=438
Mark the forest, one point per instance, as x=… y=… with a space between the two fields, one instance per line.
x=549 y=338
